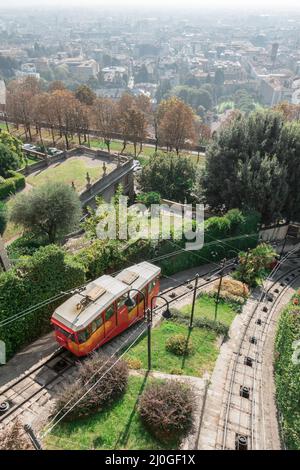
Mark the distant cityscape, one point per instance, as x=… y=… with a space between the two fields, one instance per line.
x=232 y=60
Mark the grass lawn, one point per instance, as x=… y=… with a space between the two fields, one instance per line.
x=73 y=169
x=118 y=427
x=205 y=308
x=202 y=360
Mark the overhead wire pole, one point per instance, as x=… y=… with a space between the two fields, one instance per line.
x=219 y=290
x=194 y=300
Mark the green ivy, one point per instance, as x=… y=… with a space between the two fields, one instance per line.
x=287 y=375
x=39 y=277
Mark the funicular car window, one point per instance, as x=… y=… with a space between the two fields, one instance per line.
x=83 y=336
x=99 y=321
x=109 y=312
x=121 y=302
x=66 y=333
x=151 y=285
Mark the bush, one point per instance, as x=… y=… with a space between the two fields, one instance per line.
x=167 y=410
x=287 y=374
x=14 y=437
x=33 y=280
x=179 y=345
x=134 y=363
x=232 y=291
x=26 y=245
x=11 y=185
x=149 y=198
x=3 y=217
x=106 y=391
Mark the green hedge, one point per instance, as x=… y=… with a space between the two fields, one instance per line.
x=111 y=256
x=238 y=231
x=287 y=375
x=11 y=185
x=48 y=272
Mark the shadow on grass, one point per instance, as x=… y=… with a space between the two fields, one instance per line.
x=124 y=435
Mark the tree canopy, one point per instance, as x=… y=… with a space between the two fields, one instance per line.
x=52 y=209
x=169 y=175
x=8 y=160
x=254 y=163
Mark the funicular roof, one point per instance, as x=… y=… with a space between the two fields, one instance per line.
x=82 y=308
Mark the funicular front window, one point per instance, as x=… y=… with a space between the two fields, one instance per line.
x=66 y=333
x=82 y=336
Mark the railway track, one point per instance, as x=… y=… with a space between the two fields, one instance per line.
x=33 y=388
x=241 y=424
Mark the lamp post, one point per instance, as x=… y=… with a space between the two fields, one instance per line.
x=131 y=303
x=166 y=314
x=194 y=300
x=219 y=290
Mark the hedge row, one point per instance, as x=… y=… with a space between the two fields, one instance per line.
x=239 y=232
x=11 y=185
x=287 y=373
x=48 y=272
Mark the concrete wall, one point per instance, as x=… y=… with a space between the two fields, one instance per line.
x=274 y=233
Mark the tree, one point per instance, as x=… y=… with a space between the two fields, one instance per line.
x=8 y=161
x=13 y=143
x=56 y=85
x=253 y=265
x=85 y=95
x=52 y=209
x=105 y=117
x=170 y=175
x=133 y=120
x=244 y=168
x=176 y=124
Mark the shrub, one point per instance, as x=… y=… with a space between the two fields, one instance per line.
x=179 y=345
x=167 y=410
x=3 y=217
x=13 y=437
x=106 y=391
x=134 y=363
x=26 y=245
x=176 y=371
x=15 y=182
x=149 y=198
x=254 y=265
x=231 y=290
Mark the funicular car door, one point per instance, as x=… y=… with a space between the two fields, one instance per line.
x=142 y=305
x=110 y=318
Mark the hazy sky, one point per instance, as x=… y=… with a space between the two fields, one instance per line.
x=260 y=4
